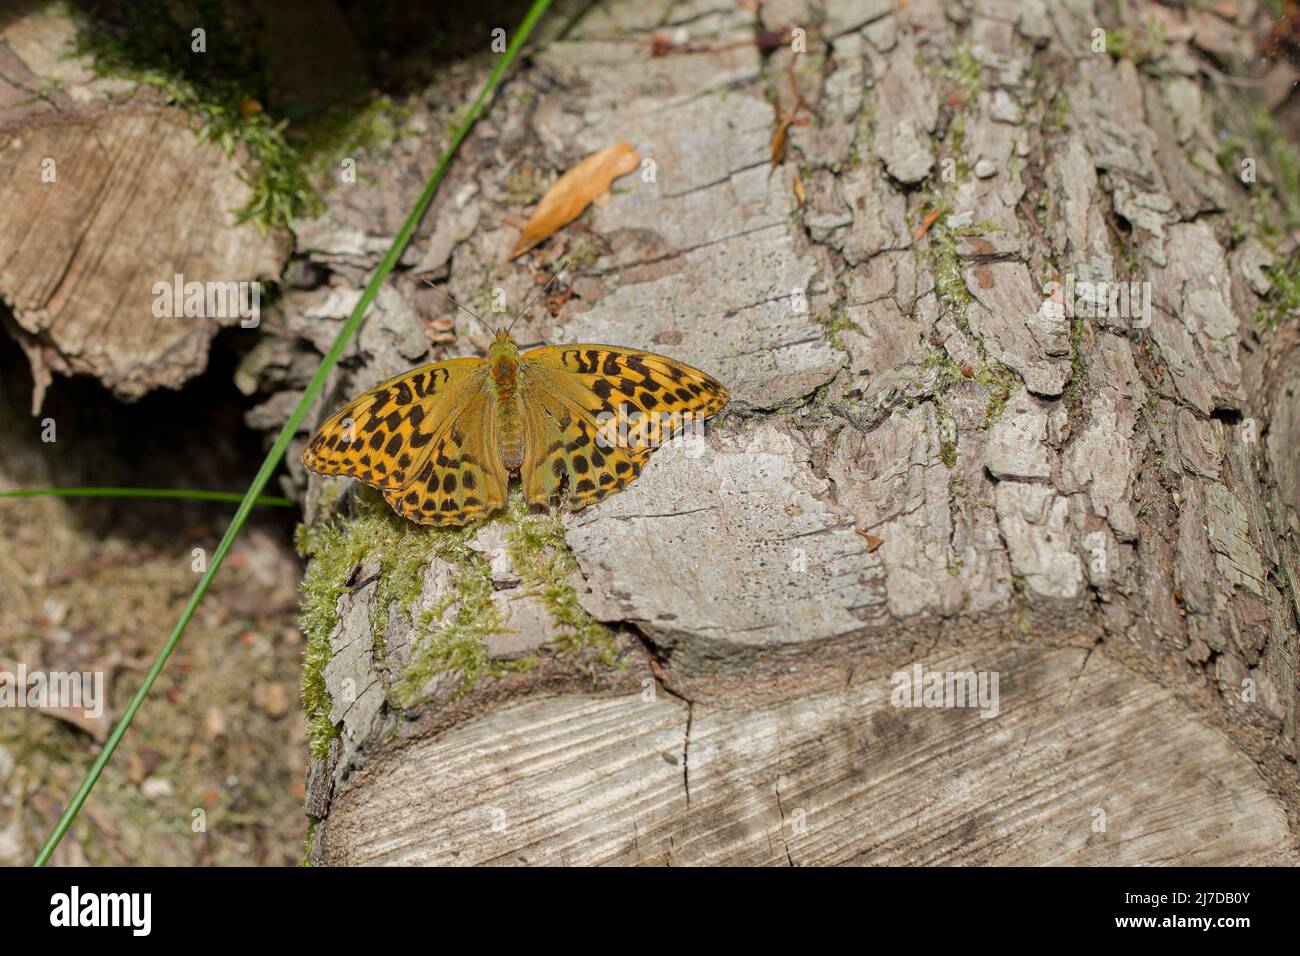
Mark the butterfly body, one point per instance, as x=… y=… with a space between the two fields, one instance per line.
x=503 y=361
x=441 y=441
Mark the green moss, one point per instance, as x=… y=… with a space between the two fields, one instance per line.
x=947 y=426
x=1282 y=159
x=1238 y=232
x=965 y=70
x=1002 y=383
x=224 y=88
x=948 y=449
x=945 y=265
x=401 y=574
x=43 y=92
x=455 y=629
x=954 y=145
x=547 y=568
x=1078 y=382
x=864 y=131
x=1058 y=111
x=344 y=131
x=1284 y=297
x=336 y=548
x=450 y=635
x=309 y=843
x=1264 y=222
x=834 y=324
x=949 y=373
x=982 y=228
x=1261 y=139
x=1140 y=47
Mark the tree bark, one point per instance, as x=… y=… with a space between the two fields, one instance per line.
x=924 y=466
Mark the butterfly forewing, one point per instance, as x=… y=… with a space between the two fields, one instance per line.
x=595 y=413
x=384 y=436
x=607 y=376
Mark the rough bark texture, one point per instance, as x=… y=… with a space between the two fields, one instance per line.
x=925 y=465
x=105 y=192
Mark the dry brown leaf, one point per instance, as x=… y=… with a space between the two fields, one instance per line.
x=574 y=191
x=97 y=727
x=778 y=141
x=872 y=540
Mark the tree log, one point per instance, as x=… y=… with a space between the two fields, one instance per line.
x=927 y=467
x=105 y=192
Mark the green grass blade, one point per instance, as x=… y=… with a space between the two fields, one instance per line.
x=178 y=494
x=276 y=453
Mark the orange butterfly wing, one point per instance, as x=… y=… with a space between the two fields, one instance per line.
x=587 y=409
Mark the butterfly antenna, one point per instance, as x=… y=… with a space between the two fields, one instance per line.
x=564 y=264
x=429 y=283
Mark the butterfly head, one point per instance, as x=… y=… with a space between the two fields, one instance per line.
x=503 y=346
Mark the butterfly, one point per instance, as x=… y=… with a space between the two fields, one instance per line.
x=577 y=422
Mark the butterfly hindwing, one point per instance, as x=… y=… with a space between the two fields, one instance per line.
x=384 y=436
x=564 y=447
x=463 y=478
